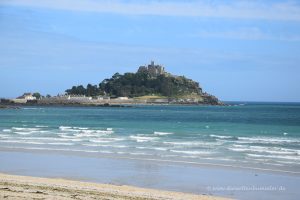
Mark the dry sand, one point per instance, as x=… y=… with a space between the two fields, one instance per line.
x=25 y=187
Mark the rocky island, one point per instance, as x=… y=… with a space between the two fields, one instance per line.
x=151 y=84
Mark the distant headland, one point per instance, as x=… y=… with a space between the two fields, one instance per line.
x=151 y=84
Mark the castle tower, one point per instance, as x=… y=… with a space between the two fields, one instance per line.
x=152 y=64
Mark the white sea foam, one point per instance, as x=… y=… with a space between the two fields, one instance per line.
x=6 y=130
x=221 y=136
x=92 y=133
x=162 y=133
x=4 y=136
x=192 y=152
x=84 y=131
x=141 y=153
x=121 y=152
x=274 y=140
x=274 y=156
x=23 y=133
x=65 y=127
x=61 y=143
x=105 y=152
x=199 y=144
x=84 y=135
x=104 y=132
x=270 y=150
x=167 y=156
x=41 y=126
x=21 y=142
x=288 y=162
x=55 y=149
x=189 y=156
x=80 y=128
x=91 y=145
x=99 y=141
x=142 y=138
x=153 y=148
x=104 y=145
x=50 y=139
x=261 y=151
x=25 y=129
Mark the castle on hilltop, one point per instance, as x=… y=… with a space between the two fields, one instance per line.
x=152 y=69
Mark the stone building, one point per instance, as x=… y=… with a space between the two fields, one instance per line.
x=152 y=69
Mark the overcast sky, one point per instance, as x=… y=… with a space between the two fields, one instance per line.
x=237 y=50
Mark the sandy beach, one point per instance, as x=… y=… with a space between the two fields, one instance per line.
x=26 y=187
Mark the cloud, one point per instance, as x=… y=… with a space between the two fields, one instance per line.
x=247 y=33
x=286 y=10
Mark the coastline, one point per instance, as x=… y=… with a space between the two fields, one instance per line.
x=207 y=181
x=27 y=187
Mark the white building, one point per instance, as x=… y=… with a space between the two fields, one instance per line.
x=27 y=96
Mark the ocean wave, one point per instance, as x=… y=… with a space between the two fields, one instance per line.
x=192 y=152
x=269 y=150
x=6 y=130
x=168 y=156
x=267 y=140
x=194 y=144
x=61 y=143
x=261 y=151
x=64 y=127
x=22 y=142
x=153 y=148
x=189 y=156
x=4 y=136
x=162 y=133
x=24 y=133
x=141 y=153
x=288 y=162
x=221 y=136
x=41 y=126
x=104 y=132
x=80 y=128
x=50 y=139
x=24 y=129
x=121 y=152
x=142 y=138
x=106 y=152
x=99 y=141
x=274 y=156
x=105 y=145
x=84 y=135
x=83 y=132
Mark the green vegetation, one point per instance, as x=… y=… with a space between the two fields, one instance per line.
x=140 y=84
x=37 y=95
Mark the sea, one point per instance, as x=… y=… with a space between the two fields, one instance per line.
x=250 y=135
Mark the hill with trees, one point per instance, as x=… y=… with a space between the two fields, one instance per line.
x=147 y=81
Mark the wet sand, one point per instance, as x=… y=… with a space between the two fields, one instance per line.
x=178 y=177
x=26 y=187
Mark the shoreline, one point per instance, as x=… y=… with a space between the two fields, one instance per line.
x=28 y=187
x=202 y=164
x=200 y=181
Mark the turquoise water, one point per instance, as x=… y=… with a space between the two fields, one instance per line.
x=251 y=135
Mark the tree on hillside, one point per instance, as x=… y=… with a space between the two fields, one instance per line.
x=37 y=95
x=139 y=84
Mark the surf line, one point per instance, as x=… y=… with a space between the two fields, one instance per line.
x=203 y=163
x=164 y=160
